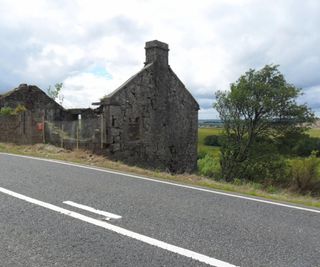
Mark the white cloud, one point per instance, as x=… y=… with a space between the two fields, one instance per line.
x=211 y=43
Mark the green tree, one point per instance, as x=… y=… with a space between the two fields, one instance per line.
x=55 y=93
x=259 y=108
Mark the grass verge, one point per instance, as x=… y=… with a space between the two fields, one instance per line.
x=85 y=157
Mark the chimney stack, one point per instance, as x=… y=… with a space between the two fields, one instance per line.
x=157 y=51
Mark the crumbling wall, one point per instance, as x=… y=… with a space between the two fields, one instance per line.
x=58 y=126
x=35 y=100
x=23 y=128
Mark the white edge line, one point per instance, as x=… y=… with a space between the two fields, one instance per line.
x=169 y=183
x=122 y=231
x=93 y=210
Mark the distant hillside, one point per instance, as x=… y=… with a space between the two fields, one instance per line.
x=209 y=123
x=219 y=123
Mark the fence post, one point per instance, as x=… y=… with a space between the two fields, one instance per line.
x=61 y=135
x=101 y=131
x=78 y=136
x=43 y=130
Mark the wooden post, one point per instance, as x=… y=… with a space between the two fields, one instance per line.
x=43 y=130
x=78 y=136
x=61 y=135
x=101 y=131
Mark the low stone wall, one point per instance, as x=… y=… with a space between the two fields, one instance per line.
x=31 y=128
x=85 y=134
x=20 y=129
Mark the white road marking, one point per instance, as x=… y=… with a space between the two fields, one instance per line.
x=93 y=210
x=122 y=231
x=169 y=183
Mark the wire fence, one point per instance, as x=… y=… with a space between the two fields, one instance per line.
x=82 y=133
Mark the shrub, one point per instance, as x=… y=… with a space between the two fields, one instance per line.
x=5 y=111
x=209 y=166
x=212 y=140
x=20 y=109
x=305 y=173
x=263 y=164
x=267 y=171
x=305 y=146
x=298 y=145
x=201 y=154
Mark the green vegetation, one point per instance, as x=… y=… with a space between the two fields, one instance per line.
x=314 y=132
x=259 y=109
x=302 y=174
x=55 y=93
x=264 y=141
x=305 y=174
x=7 y=111
x=205 y=149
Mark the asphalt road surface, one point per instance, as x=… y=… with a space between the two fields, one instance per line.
x=58 y=214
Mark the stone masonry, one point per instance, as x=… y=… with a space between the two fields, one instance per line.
x=152 y=119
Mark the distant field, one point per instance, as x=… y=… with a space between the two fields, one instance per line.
x=315 y=132
x=203 y=132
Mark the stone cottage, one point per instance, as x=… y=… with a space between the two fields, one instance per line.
x=152 y=119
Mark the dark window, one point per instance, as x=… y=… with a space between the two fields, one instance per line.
x=134 y=129
x=113 y=123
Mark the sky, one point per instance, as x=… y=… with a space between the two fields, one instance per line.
x=94 y=46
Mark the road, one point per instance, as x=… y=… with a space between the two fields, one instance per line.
x=59 y=214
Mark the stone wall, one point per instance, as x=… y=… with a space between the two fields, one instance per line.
x=84 y=133
x=23 y=128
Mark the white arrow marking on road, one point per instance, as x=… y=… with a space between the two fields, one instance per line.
x=93 y=210
x=149 y=240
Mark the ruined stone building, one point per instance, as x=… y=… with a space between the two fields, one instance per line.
x=39 y=103
x=35 y=100
x=152 y=119
x=42 y=115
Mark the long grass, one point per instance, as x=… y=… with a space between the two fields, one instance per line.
x=314 y=132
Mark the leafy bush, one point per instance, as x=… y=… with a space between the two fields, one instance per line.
x=266 y=171
x=262 y=164
x=201 y=154
x=20 y=109
x=305 y=146
x=298 y=145
x=212 y=140
x=5 y=111
x=305 y=174
x=209 y=166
